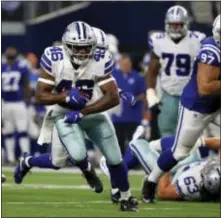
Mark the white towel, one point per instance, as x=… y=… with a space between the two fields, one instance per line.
x=46 y=129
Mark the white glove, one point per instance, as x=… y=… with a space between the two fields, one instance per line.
x=142 y=131
x=139 y=132
x=152 y=98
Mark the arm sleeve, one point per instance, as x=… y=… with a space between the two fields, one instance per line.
x=153 y=42
x=209 y=54
x=46 y=62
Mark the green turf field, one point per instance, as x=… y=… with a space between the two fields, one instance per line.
x=46 y=194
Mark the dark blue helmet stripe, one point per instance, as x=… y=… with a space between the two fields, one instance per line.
x=78 y=30
x=84 y=30
x=102 y=36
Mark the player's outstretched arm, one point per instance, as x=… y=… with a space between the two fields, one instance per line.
x=166 y=190
x=44 y=89
x=109 y=100
x=208 y=79
x=213 y=143
x=153 y=70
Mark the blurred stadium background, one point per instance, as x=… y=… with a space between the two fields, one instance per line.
x=30 y=27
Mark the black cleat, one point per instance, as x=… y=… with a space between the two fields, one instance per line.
x=131 y=205
x=21 y=169
x=3 y=178
x=115 y=197
x=148 y=191
x=93 y=180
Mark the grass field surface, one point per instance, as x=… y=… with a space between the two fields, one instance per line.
x=66 y=194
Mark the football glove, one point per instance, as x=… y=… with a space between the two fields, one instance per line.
x=73 y=117
x=75 y=100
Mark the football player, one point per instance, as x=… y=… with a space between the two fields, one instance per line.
x=15 y=94
x=173 y=52
x=80 y=88
x=146 y=154
x=200 y=104
x=199 y=181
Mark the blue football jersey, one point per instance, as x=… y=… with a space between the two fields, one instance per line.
x=208 y=54
x=13 y=81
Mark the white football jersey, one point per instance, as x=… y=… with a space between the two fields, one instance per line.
x=187 y=181
x=57 y=63
x=175 y=59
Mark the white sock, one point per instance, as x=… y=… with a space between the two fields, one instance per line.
x=114 y=191
x=3 y=156
x=24 y=144
x=125 y=195
x=10 y=149
x=155 y=174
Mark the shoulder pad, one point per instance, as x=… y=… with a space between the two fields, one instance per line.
x=209 y=53
x=155 y=36
x=51 y=55
x=198 y=35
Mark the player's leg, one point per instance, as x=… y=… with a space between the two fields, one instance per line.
x=8 y=132
x=190 y=126
x=167 y=119
x=101 y=131
x=73 y=140
x=21 y=118
x=145 y=154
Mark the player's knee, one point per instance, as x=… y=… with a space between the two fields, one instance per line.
x=114 y=159
x=181 y=152
x=59 y=162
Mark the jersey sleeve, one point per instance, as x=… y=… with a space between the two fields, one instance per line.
x=198 y=35
x=153 y=42
x=109 y=64
x=46 y=62
x=209 y=54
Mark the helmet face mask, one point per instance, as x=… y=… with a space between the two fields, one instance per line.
x=176 y=22
x=79 y=42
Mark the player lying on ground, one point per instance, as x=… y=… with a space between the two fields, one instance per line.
x=200 y=104
x=146 y=153
x=80 y=88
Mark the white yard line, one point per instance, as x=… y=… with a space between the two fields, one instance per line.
x=50 y=186
x=68 y=170
x=79 y=204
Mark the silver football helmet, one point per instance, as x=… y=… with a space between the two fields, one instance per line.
x=79 y=42
x=211 y=177
x=176 y=22
x=101 y=38
x=217 y=30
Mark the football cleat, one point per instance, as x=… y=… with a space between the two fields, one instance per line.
x=115 y=198
x=21 y=169
x=148 y=191
x=3 y=178
x=93 y=180
x=130 y=205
